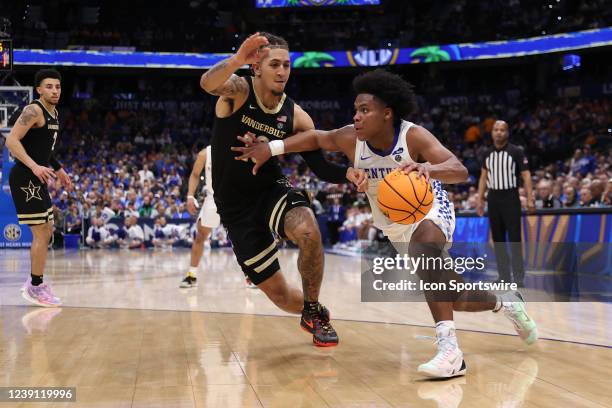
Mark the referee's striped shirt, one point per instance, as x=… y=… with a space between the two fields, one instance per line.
x=504 y=167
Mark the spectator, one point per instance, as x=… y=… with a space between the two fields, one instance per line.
x=165 y=235
x=146 y=210
x=586 y=199
x=135 y=234
x=545 y=197
x=145 y=174
x=97 y=234
x=571 y=198
x=597 y=192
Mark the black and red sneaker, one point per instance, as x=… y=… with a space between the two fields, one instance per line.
x=317 y=324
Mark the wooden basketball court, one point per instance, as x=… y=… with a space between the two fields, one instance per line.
x=127 y=336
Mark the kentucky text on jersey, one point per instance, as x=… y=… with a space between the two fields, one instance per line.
x=379 y=172
x=262 y=127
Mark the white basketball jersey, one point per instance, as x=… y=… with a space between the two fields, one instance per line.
x=208 y=173
x=378 y=164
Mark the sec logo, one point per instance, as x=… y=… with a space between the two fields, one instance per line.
x=12 y=232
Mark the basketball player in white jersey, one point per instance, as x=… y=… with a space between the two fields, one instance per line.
x=380 y=141
x=208 y=219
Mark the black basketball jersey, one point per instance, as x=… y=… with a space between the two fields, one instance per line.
x=40 y=142
x=234 y=184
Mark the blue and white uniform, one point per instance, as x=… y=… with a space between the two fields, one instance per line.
x=377 y=165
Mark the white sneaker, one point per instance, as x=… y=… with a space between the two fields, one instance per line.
x=513 y=306
x=447 y=363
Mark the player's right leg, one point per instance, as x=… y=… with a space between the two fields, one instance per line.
x=208 y=219
x=287 y=298
x=197 y=249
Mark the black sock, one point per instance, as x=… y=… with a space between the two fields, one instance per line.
x=36 y=280
x=312 y=307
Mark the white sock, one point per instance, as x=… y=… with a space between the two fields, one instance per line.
x=446 y=328
x=193 y=271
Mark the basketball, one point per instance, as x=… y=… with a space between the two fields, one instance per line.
x=404 y=198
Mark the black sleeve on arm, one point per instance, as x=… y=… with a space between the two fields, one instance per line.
x=326 y=171
x=56 y=165
x=521 y=160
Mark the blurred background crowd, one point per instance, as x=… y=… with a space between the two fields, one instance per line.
x=130 y=137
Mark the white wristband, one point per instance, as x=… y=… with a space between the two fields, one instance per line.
x=277 y=147
x=195 y=202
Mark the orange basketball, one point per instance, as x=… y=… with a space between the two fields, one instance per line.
x=404 y=198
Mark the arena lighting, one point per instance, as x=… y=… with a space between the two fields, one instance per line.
x=570 y=62
x=320 y=59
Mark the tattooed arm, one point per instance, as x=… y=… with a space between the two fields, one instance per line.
x=221 y=81
x=31 y=117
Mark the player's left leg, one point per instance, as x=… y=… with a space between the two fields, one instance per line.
x=427 y=242
x=301 y=227
x=35 y=290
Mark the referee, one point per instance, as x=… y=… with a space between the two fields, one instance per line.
x=500 y=172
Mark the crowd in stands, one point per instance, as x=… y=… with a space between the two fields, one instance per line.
x=132 y=161
x=217 y=26
x=130 y=153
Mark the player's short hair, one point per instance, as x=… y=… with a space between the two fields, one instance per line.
x=393 y=90
x=275 y=41
x=43 y=74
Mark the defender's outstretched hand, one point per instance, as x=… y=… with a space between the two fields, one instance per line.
x=260 y=153
x=359 y=178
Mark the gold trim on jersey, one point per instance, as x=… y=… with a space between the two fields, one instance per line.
x=276 y=213
x=260 y=255
x=37 y=215
x=267 y=263
x=35 y=222
x=272 y=111
x=56 y=116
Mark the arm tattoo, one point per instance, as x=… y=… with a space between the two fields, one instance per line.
x=233 y=86
x=29 y=113
x=301 y=226
x=217 y=67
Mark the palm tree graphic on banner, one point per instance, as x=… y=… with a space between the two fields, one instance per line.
x=314 y=59
x=431 y=53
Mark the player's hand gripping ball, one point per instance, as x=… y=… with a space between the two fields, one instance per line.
x=404 y=198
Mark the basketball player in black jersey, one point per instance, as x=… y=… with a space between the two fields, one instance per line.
x=251 y=207
x=32 y=141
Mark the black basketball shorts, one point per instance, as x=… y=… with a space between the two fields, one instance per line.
x=253 y=234
x=31 y=196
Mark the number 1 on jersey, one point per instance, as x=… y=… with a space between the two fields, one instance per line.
x=54 y=140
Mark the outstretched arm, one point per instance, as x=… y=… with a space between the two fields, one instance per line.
x=310 y=140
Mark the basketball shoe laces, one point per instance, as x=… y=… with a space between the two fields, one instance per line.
x=515 y=315
x=44 y=292
x=323 y=322
x=445 y=347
